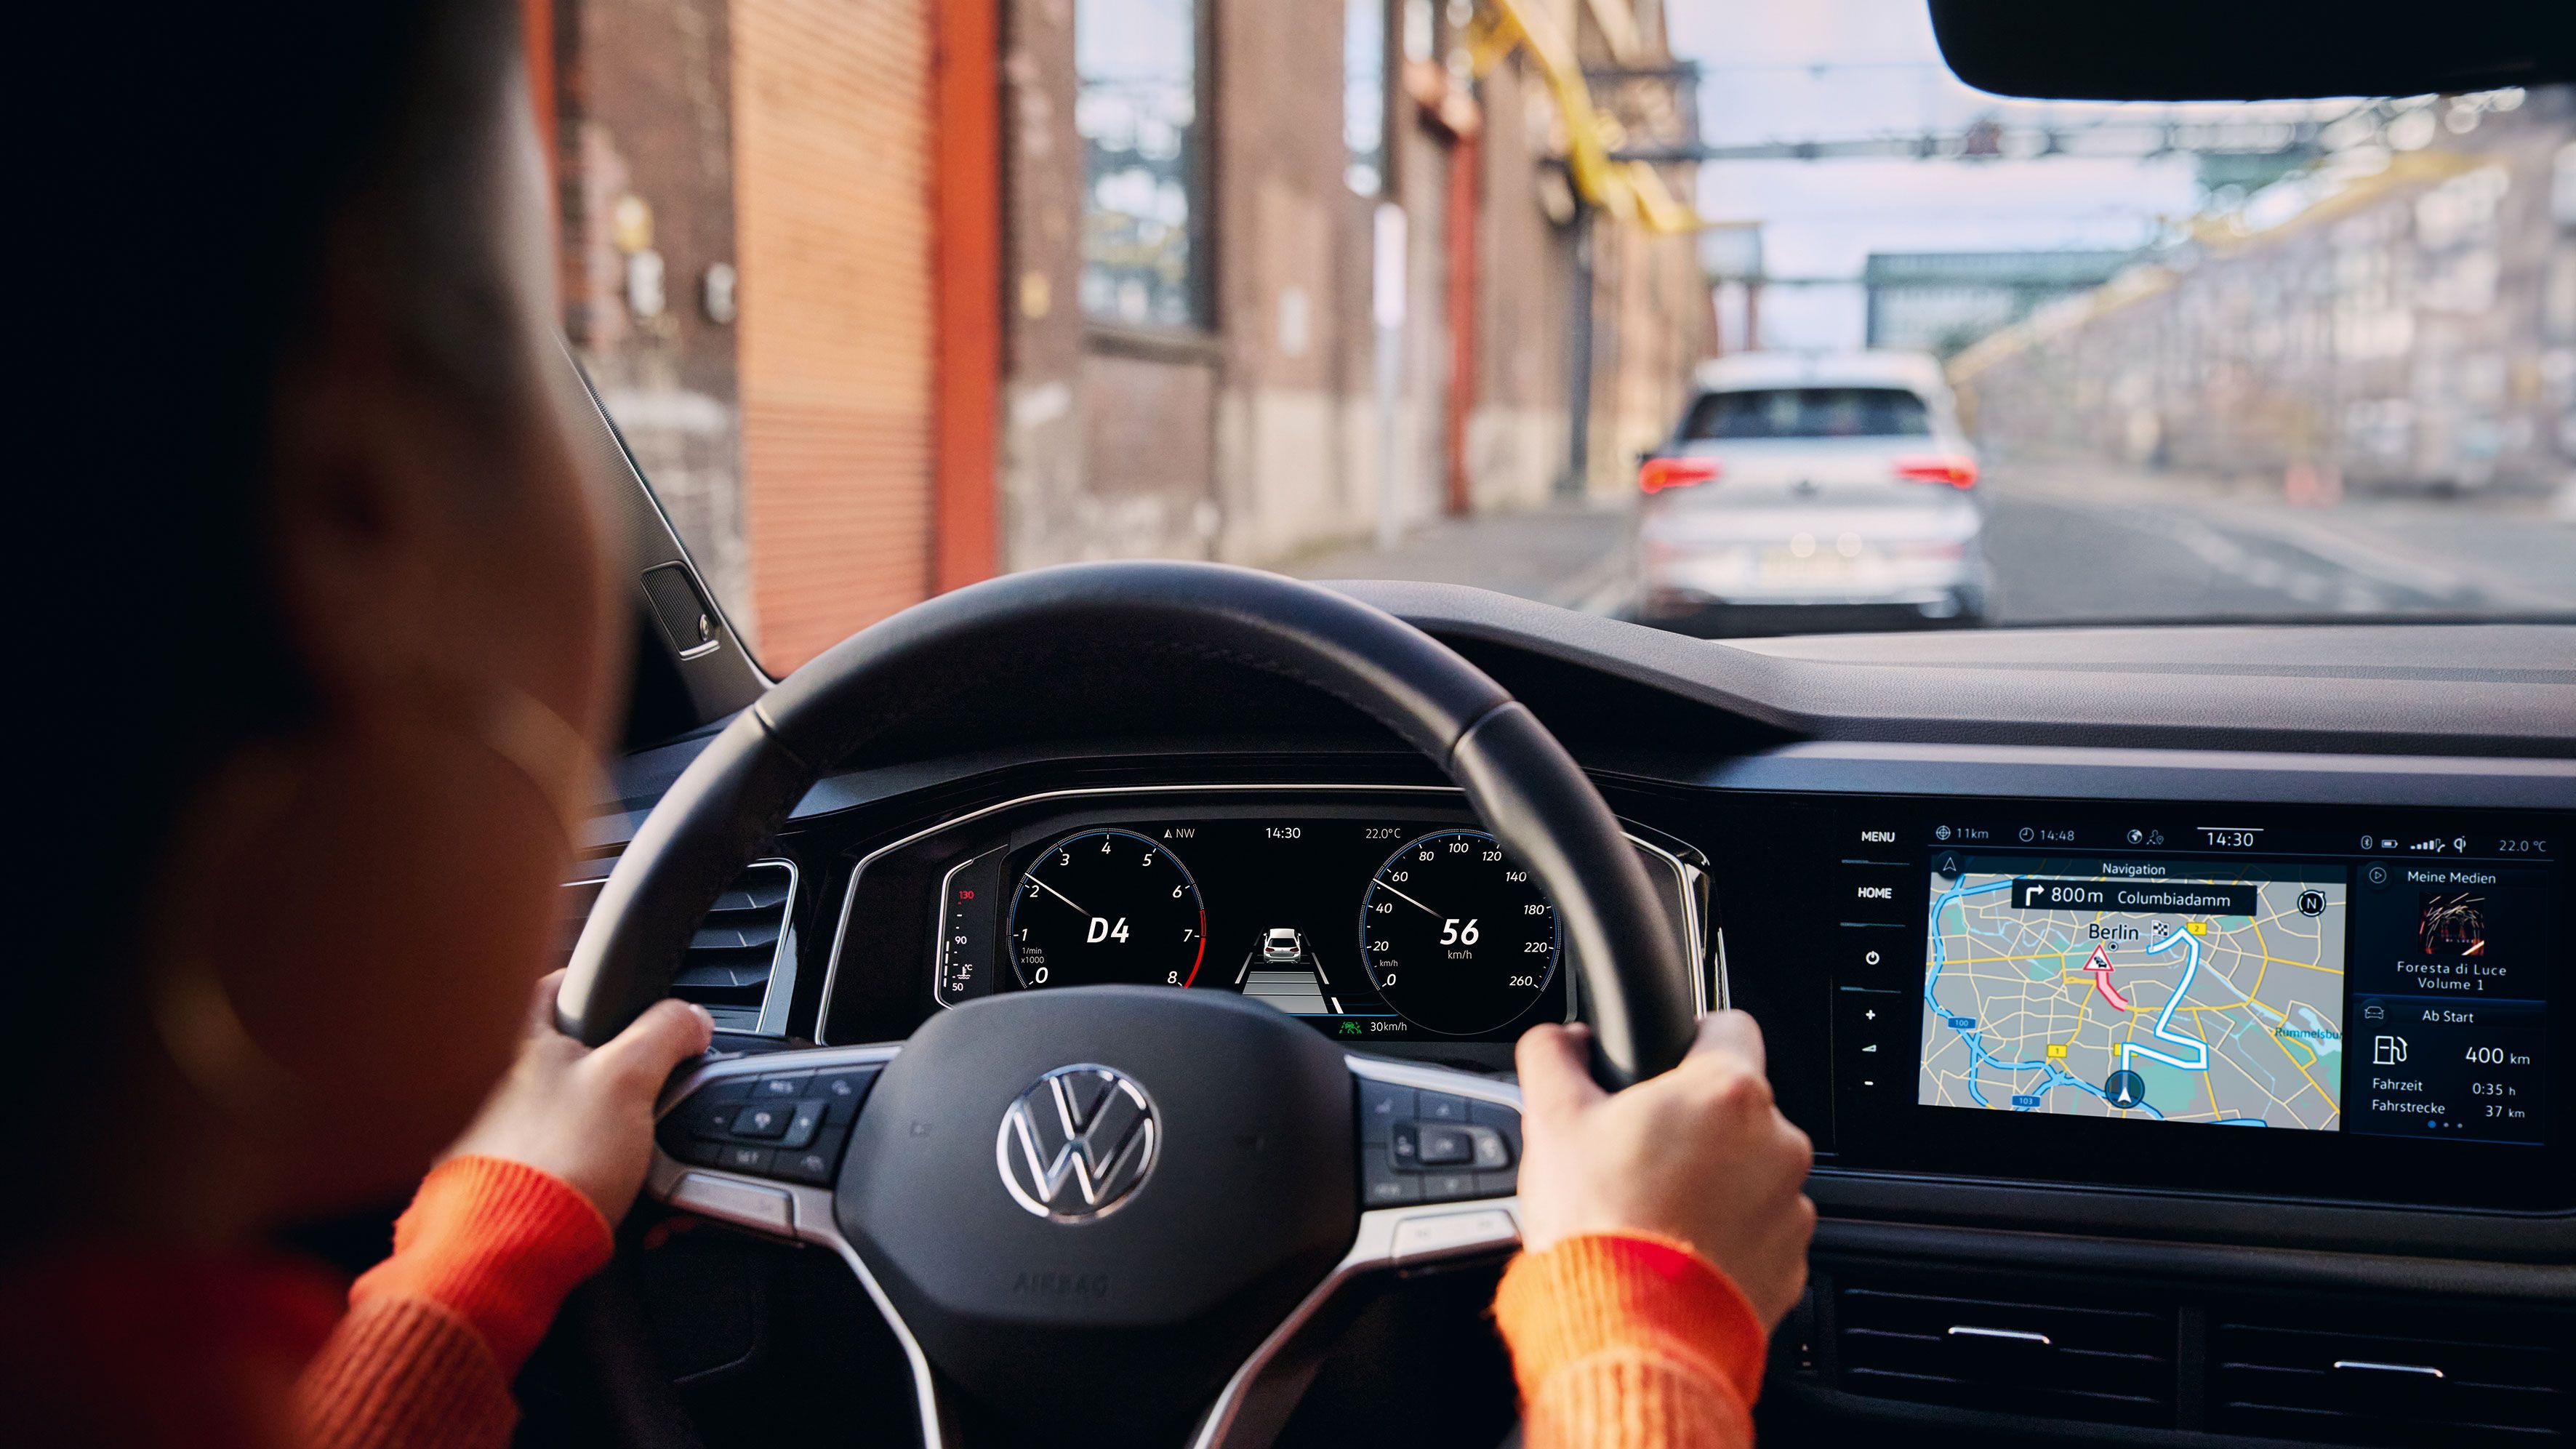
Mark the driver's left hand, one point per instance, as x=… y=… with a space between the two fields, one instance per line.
x=586 y=1115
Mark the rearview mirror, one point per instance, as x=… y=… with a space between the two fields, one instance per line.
x=2196 y=50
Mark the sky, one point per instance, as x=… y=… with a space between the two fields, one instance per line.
x=1842 y=69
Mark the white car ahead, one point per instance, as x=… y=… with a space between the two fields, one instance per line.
x=1813 y=481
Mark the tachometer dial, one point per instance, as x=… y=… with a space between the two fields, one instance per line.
x=1107 y=907
x=1458 y=938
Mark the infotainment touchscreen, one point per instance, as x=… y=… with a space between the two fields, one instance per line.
x=2397 y=987
x=2176 y=991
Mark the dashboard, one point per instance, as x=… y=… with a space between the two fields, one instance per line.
x=2323 y=1007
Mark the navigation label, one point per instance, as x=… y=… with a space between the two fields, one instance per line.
x=2031 y=893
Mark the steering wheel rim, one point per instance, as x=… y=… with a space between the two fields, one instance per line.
x=730 y=802
x=1256 y=1108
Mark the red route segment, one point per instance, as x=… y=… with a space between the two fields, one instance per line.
x=2099 y=963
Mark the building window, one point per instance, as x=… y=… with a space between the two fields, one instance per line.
x=1137 y=110
x=1364 y=94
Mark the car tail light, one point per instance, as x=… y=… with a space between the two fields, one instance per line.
x=1657 y=474
x=1957 y=470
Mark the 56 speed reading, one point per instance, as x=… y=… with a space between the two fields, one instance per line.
x=1458 y=938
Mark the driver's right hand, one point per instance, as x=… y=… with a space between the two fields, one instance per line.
x=1700 y=1155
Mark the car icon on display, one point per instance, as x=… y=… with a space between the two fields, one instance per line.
x=1282 y=947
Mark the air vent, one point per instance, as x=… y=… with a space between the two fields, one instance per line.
x=737 y=952
x=2337 y=1387
x=2057 y=1359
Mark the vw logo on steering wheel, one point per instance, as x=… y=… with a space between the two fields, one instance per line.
x=1077 y=1143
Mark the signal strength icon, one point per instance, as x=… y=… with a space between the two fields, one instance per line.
x=2435 y=845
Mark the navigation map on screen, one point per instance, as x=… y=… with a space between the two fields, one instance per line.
x=2172 y=990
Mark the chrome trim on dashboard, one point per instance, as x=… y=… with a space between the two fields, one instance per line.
x=1685 y=875
x=2009 y=1335
x=1686 y=878
x=2254 y=777
x=780 y=993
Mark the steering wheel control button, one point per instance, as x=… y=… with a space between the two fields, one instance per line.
x=1448 y=1186
x=1404 y=1148
x=1432 y=1233
x=802 y=1124
x=1444 y=1146
x=1382 y=1186
x=1496 y=1179
x=762 y=1119
x=1382 y=1105
x=785 y=1084
x=844 y=1093
x=815 y=1164
x=741 y=1157
x=1442 y=1107
x=708 y=1119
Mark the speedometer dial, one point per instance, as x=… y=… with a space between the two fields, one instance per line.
x=1107 y=907
x=1458 y=938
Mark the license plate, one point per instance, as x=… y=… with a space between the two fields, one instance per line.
x=1779 y=565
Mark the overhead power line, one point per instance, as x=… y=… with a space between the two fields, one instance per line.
x=1990 y=140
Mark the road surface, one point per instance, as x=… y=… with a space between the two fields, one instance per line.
x=2073 y=544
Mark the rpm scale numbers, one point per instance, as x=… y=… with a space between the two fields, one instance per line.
x=1458 y=937
x=1107 y=907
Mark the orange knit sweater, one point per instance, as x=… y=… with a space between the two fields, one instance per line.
x=1630 y=1342
x=436 y=1332
x=1618 y=1342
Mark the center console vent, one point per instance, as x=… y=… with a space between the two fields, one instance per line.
x=2337 y=1387
x=741 y=964
x=2061 y=1358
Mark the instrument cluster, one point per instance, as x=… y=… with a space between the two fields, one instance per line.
x=1379 y=915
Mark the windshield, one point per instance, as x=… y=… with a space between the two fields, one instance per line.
x=1808 y=412
x=1596 y=303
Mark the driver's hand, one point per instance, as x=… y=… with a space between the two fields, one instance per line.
x=587 y=1115
x=1699 y=1154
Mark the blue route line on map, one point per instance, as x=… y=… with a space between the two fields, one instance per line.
x=1978 y=1056
x=2164 y=1020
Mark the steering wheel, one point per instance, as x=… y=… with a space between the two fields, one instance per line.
x=1116 y=1211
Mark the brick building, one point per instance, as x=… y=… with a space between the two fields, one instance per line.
x=888 y=295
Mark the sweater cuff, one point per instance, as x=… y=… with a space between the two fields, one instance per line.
x=498 y=1244
x=1602 y=1292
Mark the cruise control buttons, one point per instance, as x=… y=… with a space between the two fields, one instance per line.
x=788 y=1125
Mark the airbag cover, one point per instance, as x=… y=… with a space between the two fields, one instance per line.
x=1142 y=1311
